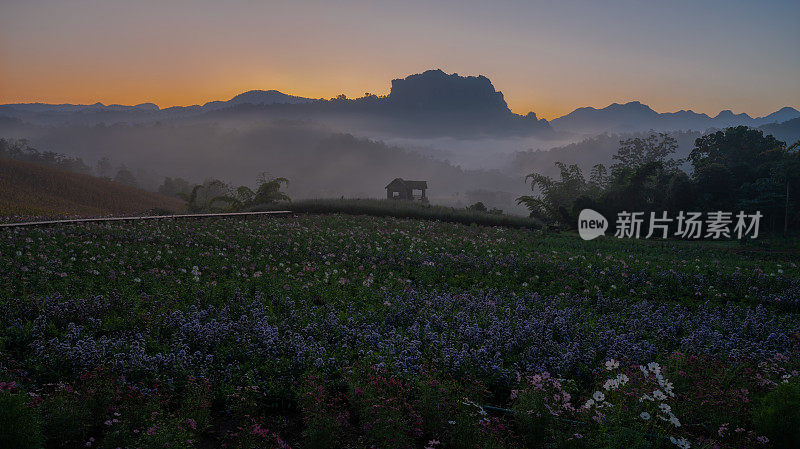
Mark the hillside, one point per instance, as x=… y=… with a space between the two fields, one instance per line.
x=30 y=189
x=318 y=163
x=788 y=131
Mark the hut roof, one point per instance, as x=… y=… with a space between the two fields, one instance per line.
x=401 y=183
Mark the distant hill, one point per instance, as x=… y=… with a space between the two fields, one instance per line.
x=31 y=189
x=788 y=131
x=258 y=97
x=637 y=117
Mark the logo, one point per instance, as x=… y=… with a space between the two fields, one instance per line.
x=687 y=225
x=591 y=224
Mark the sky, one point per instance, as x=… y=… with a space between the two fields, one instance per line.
x=548 y=57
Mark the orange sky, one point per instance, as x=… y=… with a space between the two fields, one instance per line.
x=545 y=58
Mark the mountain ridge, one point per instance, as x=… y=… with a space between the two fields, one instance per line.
x=431 y=103
x=635 y=116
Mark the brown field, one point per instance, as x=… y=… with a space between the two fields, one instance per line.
x=33 y=190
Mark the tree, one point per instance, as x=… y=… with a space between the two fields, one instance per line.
x=103 y=167
x=125 y=177
x=267 y=192
x=745 y=152
x=174 y=186
x=787 y=173
x=599 y=178
x=206 y=197
x=478 y=207
x=637 y=151
x=555 y=196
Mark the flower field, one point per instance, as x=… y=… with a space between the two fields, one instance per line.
x=328 y=331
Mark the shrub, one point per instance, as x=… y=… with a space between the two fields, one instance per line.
x=777 y=415
x=20 y=424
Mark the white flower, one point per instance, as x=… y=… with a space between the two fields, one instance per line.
x=622 y=379
x=645 y=416
x=644 y=396
x=588 y=403
x=612 y=364
x=611 y=384
x=644 y=371
x=654 y=367
x=674 y=421
x=658 y=394
x=680 y=442
x=598 y=396
x=665 y=407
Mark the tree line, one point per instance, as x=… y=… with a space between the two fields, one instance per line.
x=736 y=169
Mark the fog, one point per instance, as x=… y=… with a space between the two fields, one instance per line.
x=318 y=161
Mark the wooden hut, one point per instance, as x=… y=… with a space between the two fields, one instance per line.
x=400 y=189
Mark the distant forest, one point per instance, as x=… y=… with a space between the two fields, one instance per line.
x=732 y=170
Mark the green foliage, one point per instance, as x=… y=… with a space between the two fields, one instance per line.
x=555 y=196
x=531 y=415
x=636 y=152
x=325 y=415
x=66 y=418
x=20 y=424
x=479 y=207
x=777 y=415
x=216 y=196
x=205 y=197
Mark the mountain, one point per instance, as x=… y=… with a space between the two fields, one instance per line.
x=635 y=117
x=434 y=91
x=428 y=104
x=782 y=115
x=32 y=189
x=258 y=97
x=431 y=104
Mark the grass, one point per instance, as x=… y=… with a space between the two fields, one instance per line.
x=28 y=189
x=401 y=209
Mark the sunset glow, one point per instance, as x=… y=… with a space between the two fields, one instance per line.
x=545 y=58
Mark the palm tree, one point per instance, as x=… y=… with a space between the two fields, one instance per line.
x=268 y=192
x=204 y=196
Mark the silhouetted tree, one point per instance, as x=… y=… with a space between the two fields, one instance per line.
x=555 y=197
x=103 y=167
x=125 y=177
x=479 y=207
x=636 y=152
x=174 y=186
